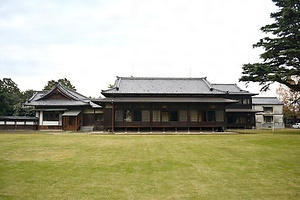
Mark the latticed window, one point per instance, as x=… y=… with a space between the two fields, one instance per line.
x=211 y=116
x=183 y=115
x=219 y=116
x=156 y=116
x=129 y=116
x=174 y=116
x=268 y=119
x=165 y=116
x=193 y=115
x=119 y=115
x=268 y=109
x=137 y=116
x=202 y=116
x=51 y=116
x=145 y=116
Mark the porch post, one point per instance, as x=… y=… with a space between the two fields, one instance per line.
x=112 y=117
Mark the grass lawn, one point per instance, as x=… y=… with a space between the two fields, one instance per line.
x=39 y=165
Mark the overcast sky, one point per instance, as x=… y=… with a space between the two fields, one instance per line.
x=90 y=42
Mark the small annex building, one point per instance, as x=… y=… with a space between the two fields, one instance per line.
x=270 y=112
x=64 y=109
x=143 y=103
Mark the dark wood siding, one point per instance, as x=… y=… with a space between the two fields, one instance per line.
x=165 y=115
x=107 y=118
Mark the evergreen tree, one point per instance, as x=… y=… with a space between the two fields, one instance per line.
x=281 y=59
x=65 y=82
x=10 y=96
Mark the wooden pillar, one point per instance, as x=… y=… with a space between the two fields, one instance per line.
x=112 y=117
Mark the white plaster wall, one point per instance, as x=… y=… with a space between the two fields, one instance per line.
x=278 y=118
x=277 y=109
x=51 y=123
x=41 y=118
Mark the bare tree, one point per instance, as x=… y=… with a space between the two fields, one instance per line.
x=291 y=101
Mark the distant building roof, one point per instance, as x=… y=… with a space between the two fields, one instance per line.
x=266 y=101
x=151 y=85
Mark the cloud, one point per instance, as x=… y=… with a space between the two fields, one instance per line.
x=91 y=42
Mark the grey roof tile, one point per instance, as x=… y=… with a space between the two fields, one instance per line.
x=167 y=99
x=76 y=99
x=266 y=101
x=142 y=85
x=150 y=85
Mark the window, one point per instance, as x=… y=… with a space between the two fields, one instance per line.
x=240 y=120
x=268 y=109
x=193 y=115
x=137 y=116
x=202 y=116
x=165 y=116
x=268 y=119
x=219 y=116
x=246 y=101
x=129 y=116
x=156 y=116
x=211 y=116
x=183 y=115
x=51 y=116
x=240 y=101
x=99 y=117
x=230 y=119
x=119 y=115
x=145 y=116
x=174 y=116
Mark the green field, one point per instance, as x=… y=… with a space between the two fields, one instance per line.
x=41 y=165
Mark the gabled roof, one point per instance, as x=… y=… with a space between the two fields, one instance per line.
x=170 y=86
x=71 y=98
x=266 y=101
x=68 y=93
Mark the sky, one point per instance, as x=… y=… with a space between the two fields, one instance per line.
x=90 y=42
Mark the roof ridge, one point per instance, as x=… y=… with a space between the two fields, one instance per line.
x=223 y=83
x=69 y=89
x=66 y=91
x=265 y=97
x=34 y=95
x=162 y=78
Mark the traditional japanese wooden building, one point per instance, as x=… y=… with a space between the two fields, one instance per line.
x=138 y=103
x=64 y=109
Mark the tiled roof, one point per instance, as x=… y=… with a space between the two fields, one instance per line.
x=56 y=102
x=231 y=88
x=266 y=101
x=74 y=98
x=148 y=85
x=68 y=92
x=167 y=99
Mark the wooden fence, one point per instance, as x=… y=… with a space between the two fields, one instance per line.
x=18 y=123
